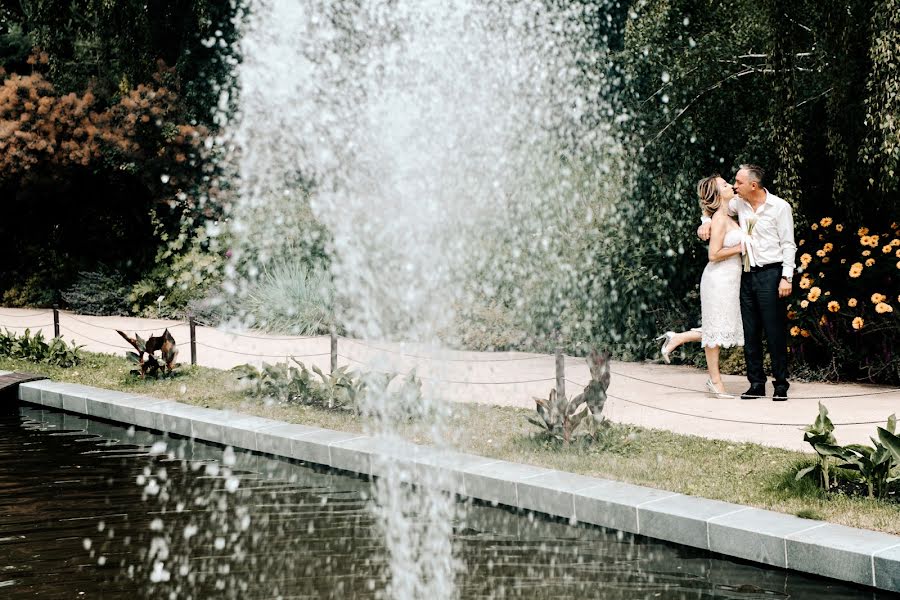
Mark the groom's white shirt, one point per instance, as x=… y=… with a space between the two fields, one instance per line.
x=773 y=232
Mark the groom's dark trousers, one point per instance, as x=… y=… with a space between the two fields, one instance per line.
x=762 y=310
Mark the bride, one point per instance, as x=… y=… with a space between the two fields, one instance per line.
x=719 y=287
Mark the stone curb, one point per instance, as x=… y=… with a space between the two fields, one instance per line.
x=865 y=557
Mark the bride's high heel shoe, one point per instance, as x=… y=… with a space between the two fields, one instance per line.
x=711 y=387
x=665 y=338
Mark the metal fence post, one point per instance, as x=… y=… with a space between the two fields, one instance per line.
x=55 y=321
x=560 y=373
x=334 y=357
x=193 y=327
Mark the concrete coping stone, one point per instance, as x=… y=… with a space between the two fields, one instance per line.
x=865 y=557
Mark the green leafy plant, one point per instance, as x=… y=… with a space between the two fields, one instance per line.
x=34 y=348
x=874 y=463
x=820 y=435
x=560 y=416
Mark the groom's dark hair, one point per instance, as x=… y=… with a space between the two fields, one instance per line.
x=756 y=173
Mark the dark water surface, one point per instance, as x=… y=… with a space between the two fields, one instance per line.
x=93 y=510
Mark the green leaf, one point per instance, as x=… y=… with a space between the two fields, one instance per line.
x=891 y=442
x=804 y=472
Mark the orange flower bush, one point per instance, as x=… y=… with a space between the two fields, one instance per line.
x=857 y=338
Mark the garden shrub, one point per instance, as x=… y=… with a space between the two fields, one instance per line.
x=36 y=349
x=842 y=313
x=100 y=292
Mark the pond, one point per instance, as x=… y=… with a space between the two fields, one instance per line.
x=90 y=509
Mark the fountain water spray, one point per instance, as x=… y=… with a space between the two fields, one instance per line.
x=441 y=144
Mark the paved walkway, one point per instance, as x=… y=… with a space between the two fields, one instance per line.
x=650 y=395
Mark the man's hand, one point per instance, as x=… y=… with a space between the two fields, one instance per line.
x=703 y=231
x=784 y=288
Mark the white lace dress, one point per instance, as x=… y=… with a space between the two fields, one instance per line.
x=720 y=303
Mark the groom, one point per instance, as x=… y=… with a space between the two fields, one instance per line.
x=767 y=285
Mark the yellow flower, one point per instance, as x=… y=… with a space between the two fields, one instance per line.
x=828 y=247
x=851 y=302
x=881 y=308
x=897 y=253
x=870 y=262
x=826 y=221
x=805 y=282
x=895 y=242
x=886 y=249
x=804 y=333
x=873 y=241
x=838 y=227
x=856 y=270
x=813 y=294
x=795 y=331
x=805 y=259
x=814 y=226
x=820 y=253
x=862 y=231
x=834 y=306
x=864 y=240
x=876 y=298
x=804 y=303
x=858 y=323
x=866 y=252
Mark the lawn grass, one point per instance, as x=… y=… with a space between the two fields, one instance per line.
x=743 y=473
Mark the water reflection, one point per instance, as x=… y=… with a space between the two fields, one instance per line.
x=92 y=510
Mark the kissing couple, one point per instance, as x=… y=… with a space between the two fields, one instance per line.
x=745 y=285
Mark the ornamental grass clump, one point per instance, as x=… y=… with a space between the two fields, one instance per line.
x=844 y=312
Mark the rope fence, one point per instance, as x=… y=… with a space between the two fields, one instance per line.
x=560 y=360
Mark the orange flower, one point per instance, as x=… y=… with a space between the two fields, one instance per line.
x=897 y=253
x=813 y=294
x=823 y=320
x=805 y=282
x=882 y=308
x=873 y=241
x=792 y=315
x=820 y=253
x=858 y=323
x=804 y=303
x=805 y=259
x=838 y=227
x=814 y=226
x=826 y=221
x=866 y=252
x=851 y=302
x=876 y=298
x=856 y=270
x=864 y=240
x=828 y=247
x=895 y=242
x=804 y=333
x=795 y=331
x=870 y=262
x=826 y=260
x=862 y=231
x=886 y=249
x=833 y=306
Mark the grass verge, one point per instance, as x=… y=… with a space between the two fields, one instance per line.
x=743 y=473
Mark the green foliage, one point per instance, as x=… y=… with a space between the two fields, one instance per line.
x=34 y=348
x=101 y=292
x=292 y=297
x=874 y=464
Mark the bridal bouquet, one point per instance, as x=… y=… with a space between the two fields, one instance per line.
x=748 y=257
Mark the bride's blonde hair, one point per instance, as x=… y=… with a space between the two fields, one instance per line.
x=708 y=193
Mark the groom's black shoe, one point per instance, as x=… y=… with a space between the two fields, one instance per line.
x=755 y=392
x=780 y=394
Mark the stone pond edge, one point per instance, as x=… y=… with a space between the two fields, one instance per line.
x=861 y=556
